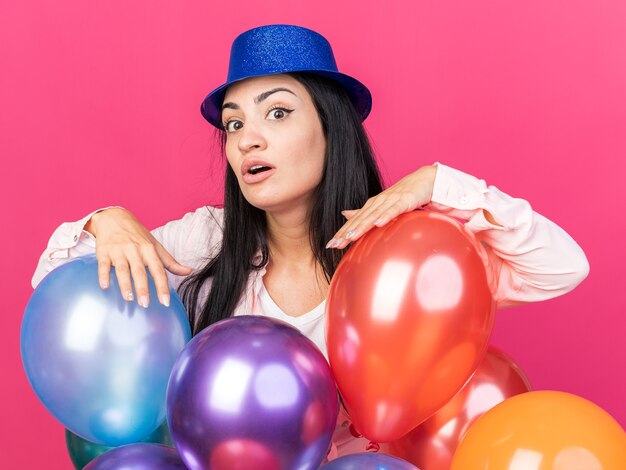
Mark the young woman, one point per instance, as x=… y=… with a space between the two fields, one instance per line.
x=301 y=184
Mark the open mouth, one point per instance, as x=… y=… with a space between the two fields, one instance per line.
x=256 y=169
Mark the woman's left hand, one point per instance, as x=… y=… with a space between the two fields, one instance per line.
x=412 y=191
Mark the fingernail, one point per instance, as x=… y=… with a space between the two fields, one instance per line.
x=104 y=285
x=378 y=222
x=350 y=234
x=165 y=300
x=129 y=295
x=330 y=243
x=337 y=242
x=143 y=301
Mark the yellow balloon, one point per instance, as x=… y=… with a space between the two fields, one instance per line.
x=544 y=430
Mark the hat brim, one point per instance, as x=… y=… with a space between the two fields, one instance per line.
x=211 y=107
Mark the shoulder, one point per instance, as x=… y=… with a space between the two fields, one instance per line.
x=205 y=223
x=206 y=216
x=195 y=237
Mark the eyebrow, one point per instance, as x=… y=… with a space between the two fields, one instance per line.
x=263 y=96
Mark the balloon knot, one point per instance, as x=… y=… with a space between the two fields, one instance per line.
x=354 y=432
x=372 y=447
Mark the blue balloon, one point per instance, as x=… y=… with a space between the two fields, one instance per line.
x=138 y=457
x=98 y=363
x=368 y=461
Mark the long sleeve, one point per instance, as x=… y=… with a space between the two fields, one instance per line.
x=67 y=242
x=532 y=258
x=191 y=240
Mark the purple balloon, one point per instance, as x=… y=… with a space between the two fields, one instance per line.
x=138 y=457
x=254 y=392
x=368 y=461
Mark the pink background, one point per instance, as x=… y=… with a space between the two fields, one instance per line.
x=100 y=105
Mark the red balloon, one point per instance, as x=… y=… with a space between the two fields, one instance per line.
x=409 y=315
x=432 y=444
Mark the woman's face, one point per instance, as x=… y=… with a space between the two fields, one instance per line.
x=274 y=141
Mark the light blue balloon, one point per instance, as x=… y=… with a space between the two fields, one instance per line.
x=100 y=364
x=367 y=461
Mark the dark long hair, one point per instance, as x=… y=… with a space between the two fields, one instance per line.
x=349 y=178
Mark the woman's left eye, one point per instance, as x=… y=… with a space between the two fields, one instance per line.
x=279 y=113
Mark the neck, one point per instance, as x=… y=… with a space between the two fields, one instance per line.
x=288 y=236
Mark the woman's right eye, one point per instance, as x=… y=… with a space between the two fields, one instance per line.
x=233 y=125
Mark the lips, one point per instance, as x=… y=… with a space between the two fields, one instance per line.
x=254 y=170
x=254 y=166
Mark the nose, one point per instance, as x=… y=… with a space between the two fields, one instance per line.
x=251 y=137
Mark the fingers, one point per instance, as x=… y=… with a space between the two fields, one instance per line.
x=170 y=263
x=130 y=269
x=376 y=214
x=104 y=268
x=140 y=279
x=125 y=244
x=157 y=270
x=348 y=214
x=412 y=191
x=122 y=272
x=348 y=232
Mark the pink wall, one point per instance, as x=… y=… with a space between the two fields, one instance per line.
x=100 y=104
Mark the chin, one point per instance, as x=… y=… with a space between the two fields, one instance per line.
x=263 y=202
x=276 y=202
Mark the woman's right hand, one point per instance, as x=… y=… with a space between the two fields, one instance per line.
x=123 y=242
